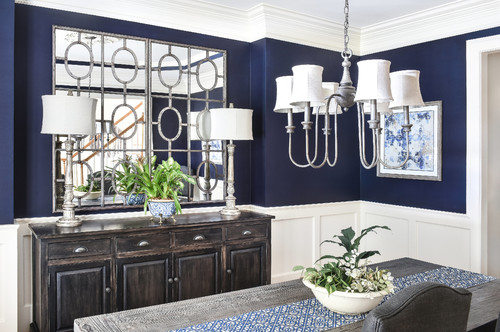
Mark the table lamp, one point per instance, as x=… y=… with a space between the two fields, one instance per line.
x=68 y=115
x=231 y=124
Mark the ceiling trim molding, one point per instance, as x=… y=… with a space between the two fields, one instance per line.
x=448 y=20
x=264 y=20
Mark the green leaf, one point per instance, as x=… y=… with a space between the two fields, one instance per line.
x=298 y=268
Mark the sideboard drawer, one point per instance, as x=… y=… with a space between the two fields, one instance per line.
x=143 y=242
x=246 y=231
x=201 y=236
x=79 y=248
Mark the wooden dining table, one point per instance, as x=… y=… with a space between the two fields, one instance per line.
x=485 y=305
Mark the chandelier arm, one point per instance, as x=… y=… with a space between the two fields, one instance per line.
x=315 y=142
x=290 y=153
x=361 y=137
x=335 y=134
x=406 y=158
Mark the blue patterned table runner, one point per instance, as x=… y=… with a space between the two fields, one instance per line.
x=311 y=316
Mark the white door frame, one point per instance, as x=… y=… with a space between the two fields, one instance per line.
x=477 y=145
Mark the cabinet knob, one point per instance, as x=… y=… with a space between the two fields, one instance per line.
x=108 y=290
x=246 y=233
x=80 y=250
x=228 y=271
x=176 y=279
x=170 y=280
x=143 y=243
x=199 y=238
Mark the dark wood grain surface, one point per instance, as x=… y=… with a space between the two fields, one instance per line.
x=484 y=308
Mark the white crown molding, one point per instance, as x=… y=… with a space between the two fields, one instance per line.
x=265 y=21
x=444 y=21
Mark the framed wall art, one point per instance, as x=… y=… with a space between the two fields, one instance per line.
x=425 y=144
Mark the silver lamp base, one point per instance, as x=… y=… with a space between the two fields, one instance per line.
x=68 y=222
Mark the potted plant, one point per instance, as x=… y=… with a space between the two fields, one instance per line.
x=346 y=284
x=162 y=184
x=125 y=179
x=91 y=190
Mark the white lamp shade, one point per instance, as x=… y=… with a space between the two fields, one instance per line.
x=307 y=86
x=329 y=88
x=373 y=81
x=68 y=115
x=231 y=124
x=284 y=95
x=406 y=89
x=204 y=124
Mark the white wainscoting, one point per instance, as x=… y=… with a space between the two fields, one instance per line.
x=434 y=236
x=8 y=278
x=297 y=231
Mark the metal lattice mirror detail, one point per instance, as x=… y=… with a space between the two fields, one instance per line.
x=153 y=96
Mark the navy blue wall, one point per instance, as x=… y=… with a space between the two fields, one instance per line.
x=442 y=66
x=33 y=78
x=275 y=180
x=264 y=174
x=7 y=112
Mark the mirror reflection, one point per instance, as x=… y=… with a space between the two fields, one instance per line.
x=154 y=98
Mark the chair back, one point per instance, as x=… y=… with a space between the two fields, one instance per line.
x=426 y=306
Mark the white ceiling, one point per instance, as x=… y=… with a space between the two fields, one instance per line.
x=362 y=13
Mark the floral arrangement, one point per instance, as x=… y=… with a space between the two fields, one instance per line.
x=349 y=272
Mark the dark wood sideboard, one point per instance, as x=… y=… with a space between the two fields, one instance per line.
x=117 y=264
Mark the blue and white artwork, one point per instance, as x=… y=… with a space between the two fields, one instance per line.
x=425 y=144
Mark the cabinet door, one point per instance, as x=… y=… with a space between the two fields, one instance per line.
x=142 y=281
x=246 y=266
x=196 y=274
x=78 y=290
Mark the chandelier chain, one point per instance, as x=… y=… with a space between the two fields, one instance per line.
x=346 y=28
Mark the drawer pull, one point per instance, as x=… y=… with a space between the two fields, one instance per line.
x=229 y=271
x=108 y=290
x=246 y=233
x=176 y=279
x=80 y=250
x=143 y=243
x=170 y=280
x=199 y=238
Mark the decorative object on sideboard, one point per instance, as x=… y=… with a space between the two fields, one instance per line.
x=345 y=284
x=376 y=88
x=231 y=124
x=162 y=184
x=426 y=145
x=68 y=115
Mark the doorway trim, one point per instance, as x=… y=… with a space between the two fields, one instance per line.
x=477 y=146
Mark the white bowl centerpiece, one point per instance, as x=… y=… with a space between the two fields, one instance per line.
x=346 y=284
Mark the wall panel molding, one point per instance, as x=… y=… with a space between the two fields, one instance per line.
x=9 y=277
x=296 y=234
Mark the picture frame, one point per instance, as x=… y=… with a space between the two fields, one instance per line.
x=425 y=144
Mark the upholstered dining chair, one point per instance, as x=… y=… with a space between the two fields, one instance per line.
x=427 y=306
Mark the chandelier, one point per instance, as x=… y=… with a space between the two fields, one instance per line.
x=379 y=91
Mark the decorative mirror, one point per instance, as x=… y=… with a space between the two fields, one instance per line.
x=154 y=98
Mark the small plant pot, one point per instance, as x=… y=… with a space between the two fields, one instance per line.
x=136 y=199
x=91 y=196
x=347 y=303
x=161 y=208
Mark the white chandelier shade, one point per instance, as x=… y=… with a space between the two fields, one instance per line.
x=306 y=88
x=405 y=88
x=284 y=95
x=329 y=88
x=374 y=81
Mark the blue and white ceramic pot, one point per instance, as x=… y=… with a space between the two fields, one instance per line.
x=136 y=199
x=163 y=208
